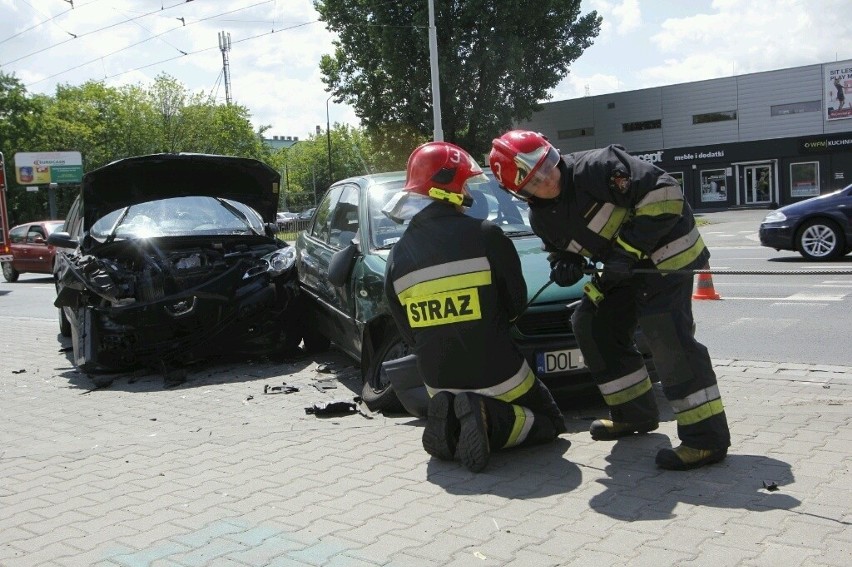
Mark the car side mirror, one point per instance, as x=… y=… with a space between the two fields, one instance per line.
x=62 y=239
x=340 y=265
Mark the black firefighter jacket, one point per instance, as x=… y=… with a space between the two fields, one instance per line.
x=454 y=283
x=608 y=196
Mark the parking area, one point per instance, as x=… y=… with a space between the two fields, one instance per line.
x=230 y=469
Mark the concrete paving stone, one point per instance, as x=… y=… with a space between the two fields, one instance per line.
x=566 y=540
x=776 y=553
x=395 y=550
x=266 y=552
x=207 y=554
x=346 y=560
x=717 y=554
x=503 y=546
x=837 y=556
x=443 y=545
x=527 y=558
x=585 y=557
x=323 y=550
x=405 y=560
x=46 y=555
x=39 y=541
x=109 y=533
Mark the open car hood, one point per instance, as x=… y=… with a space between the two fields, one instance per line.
x=159 y=176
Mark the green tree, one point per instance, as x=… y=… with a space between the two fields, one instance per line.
x=497 y=60
x=304 y=166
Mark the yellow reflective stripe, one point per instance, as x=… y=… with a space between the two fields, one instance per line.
x=624 y=382
x=695 y=399
x=520 y=427
x=657 y=209
x=442 y=285
x=608 y=220
x=635 y=251
x=439 y=271
x=685 y=258
x=702 y=412
x=508 y=390
x=628 y=394
x=690 y=243
x=661 y=195
x=518 y=390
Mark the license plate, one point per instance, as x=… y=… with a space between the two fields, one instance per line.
x=559 y=361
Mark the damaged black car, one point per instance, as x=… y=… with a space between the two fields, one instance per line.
x=166 y=260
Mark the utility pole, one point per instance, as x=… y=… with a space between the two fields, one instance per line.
x=438 y=132
x=225 y=47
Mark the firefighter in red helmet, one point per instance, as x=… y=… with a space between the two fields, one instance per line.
x=454 y=284
x=607 y=206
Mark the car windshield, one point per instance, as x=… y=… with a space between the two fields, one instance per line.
x=489 y=202
x=178 y=216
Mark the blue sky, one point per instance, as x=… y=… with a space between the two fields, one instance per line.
x=643 y=43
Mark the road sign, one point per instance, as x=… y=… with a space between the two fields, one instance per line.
x=43 y=168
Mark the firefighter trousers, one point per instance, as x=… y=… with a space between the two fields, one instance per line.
x=662 y=307
x=524 y=415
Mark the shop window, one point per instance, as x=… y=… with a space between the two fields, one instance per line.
x=643 y=125
x=714 y=117
x=795 y=108
x=804 y=179
x=713 y=186
x=575 y=133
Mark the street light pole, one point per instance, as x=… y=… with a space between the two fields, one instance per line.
x=328 y=139
x=438 y=132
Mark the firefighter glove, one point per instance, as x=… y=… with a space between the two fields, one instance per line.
x=567 y=269
x=617 y=267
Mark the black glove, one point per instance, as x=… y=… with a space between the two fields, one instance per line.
x=566 y=270
x=617 y=267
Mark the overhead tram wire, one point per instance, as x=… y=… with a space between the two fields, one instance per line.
x=101 y=57
x=41 y=23
x=4 y=63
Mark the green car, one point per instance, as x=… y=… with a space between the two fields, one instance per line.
x=341 y=260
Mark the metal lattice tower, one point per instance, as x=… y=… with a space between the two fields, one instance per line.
x=225 y=47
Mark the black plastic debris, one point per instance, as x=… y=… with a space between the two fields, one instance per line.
x=283 y=389
x=333 y=407
x=21 y=371
x=323 y=385
x=771 y=487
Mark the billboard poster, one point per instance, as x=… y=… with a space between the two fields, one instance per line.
x=43 y=168
x=713 y=186
x=838 y=93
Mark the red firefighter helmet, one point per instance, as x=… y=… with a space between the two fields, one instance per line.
x=519 y=157
x=441 y=170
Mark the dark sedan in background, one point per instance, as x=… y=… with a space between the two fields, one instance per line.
x=819 y=228
x=171 y=258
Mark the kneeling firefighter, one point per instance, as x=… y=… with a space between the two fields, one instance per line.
x=454 y=284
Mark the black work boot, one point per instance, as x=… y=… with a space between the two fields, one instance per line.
x=607 y=430
x=685 y=458
x=442 y=427
x=473 y=448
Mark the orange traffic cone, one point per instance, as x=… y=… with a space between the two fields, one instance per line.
x=704 y=287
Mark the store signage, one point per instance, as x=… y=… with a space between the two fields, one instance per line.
x=654 y=157
x=817 y=145
x=704 y=154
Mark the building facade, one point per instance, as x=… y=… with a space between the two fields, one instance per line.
x=755 y=140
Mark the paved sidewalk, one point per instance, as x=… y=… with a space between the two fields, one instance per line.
x=217 y=472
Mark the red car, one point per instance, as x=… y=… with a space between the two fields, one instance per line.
x=30 y=250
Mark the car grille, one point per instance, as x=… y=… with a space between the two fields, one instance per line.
x=546 y=323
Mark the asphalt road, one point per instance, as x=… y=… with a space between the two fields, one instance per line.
x=773 y=318
x=795 y=319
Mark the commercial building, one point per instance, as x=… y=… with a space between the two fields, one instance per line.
x=753 y=140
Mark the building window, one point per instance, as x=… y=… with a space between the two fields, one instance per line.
x=713 y=186
x=610 y=105
x=804 y=179
x=575 y=133
x=795 y=108
x=644 y=125
x=714 y=117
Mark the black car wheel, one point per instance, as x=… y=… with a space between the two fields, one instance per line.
x=820 y=239
x=377 y=393
x=64 y=323
x=10 y=274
